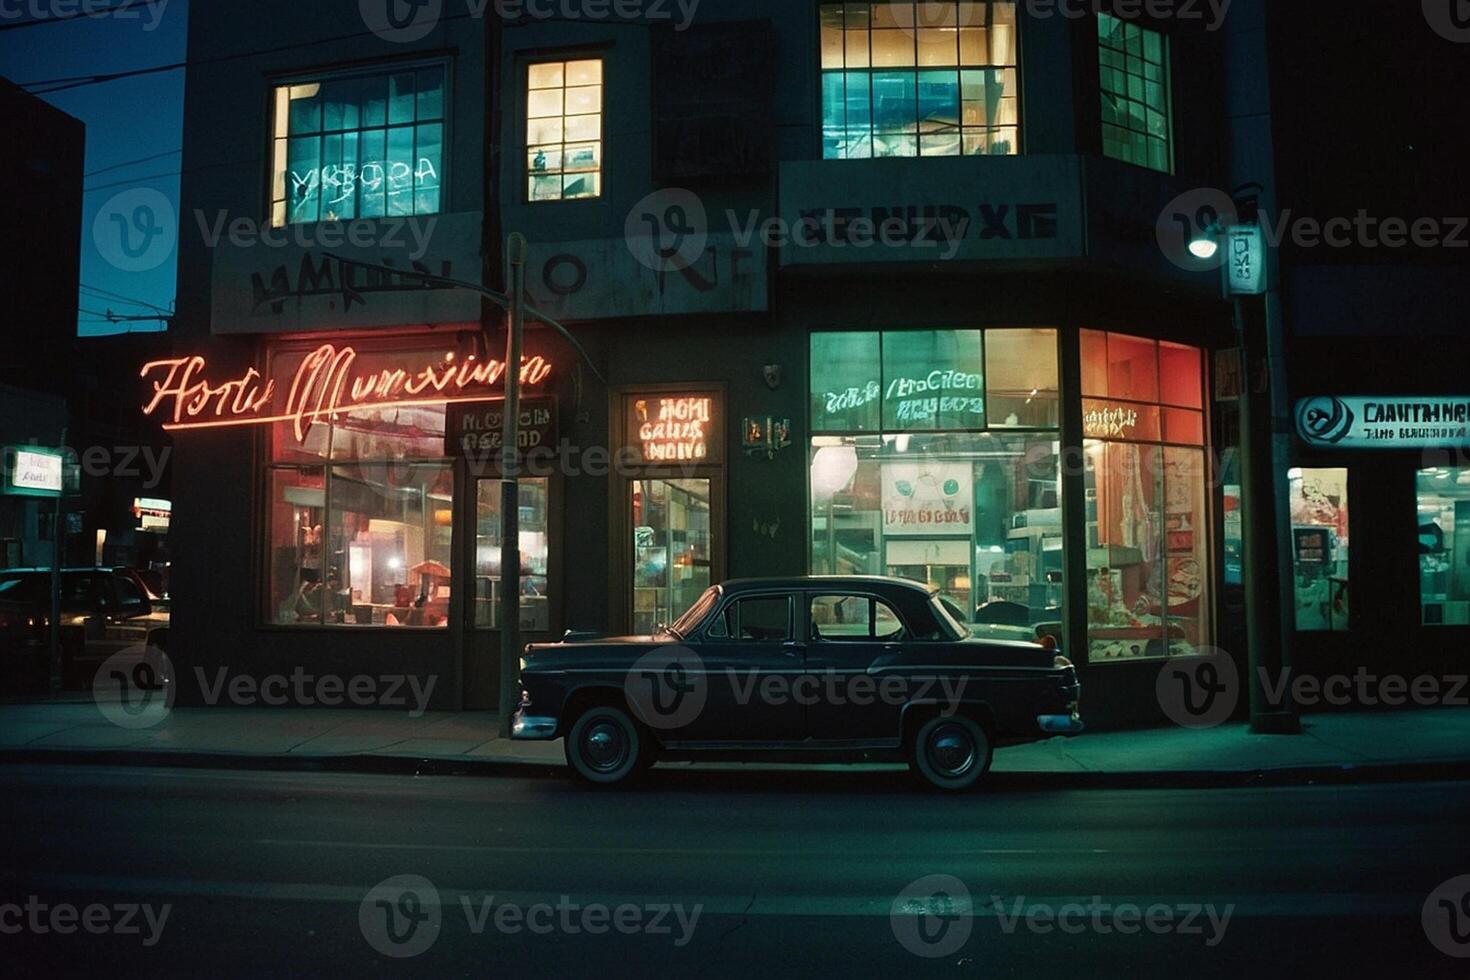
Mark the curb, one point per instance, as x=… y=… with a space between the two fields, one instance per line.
x=1330 y=775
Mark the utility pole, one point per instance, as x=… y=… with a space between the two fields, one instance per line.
x=58 y=555
x=510 y=491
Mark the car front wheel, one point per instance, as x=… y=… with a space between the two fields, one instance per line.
x=605 y=746
x=951 y=753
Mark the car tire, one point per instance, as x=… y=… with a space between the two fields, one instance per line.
x=607 y=747
x=950 y=752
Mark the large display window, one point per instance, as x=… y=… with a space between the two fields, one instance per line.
x=360 y=499
x=921 y=467
x=1319 y=547
x=1149 y=565
x=1444 y=545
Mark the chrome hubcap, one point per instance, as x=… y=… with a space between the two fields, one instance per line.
x=951 y=750
x=605 y=746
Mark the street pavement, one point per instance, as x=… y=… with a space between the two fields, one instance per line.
x=719 y=873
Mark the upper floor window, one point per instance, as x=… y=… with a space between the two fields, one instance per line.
x=358 y=146
x=1134 y=68
x=564 y=130
x=903 y=79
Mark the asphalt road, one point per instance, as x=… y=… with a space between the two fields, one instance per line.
x=715 y=874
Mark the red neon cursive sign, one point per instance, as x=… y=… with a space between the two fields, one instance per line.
x=325 y=386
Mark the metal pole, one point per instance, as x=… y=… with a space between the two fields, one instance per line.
x=58 y=555
x=510 y=493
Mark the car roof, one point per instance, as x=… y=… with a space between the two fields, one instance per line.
x=860 y=583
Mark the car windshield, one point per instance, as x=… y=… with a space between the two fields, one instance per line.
x=20 y=588
x=684 y=624
x=949 y=614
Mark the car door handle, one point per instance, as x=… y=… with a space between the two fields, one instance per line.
x=793 y=649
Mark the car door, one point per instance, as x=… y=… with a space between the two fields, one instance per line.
x=750 y=659
x=852 y=637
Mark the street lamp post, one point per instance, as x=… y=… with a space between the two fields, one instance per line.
x=510 y=553
x=1266 y=562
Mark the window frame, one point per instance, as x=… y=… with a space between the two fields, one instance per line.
x=1167 y=85
x=383 y=68
x=819 y=100
x=732 y=601
x=528 y=61
x=903 y=635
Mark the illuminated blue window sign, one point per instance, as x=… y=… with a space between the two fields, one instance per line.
x=31 y=472
x=1375 y=422
x=363 y=146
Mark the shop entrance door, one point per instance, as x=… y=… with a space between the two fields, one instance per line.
x=672 y=547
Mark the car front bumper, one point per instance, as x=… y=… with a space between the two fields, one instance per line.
x=532 y=728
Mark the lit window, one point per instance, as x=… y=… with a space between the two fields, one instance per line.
x=1134 y=76
x=1444 y=545
x=919 y=79
x=1149 y=580
x=535 y=602
x=358 y=146
x=1319 y=547
x=564 y=130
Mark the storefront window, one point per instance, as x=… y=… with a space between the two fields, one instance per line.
x=564 y=130
x=1149 y=570
x=1319 y=541
x=359 y=146
x=1444 y=545
x=361 y=545
x=535 y=550
x=908 y=479
x=360 y=500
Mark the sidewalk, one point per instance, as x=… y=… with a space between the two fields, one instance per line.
x=1372 y=746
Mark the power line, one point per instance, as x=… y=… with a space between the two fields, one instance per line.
x=63 y=18
x=64 y=84
x=121 y=298
x=129 y=163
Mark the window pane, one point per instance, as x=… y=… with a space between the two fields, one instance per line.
x=1319 y=530
x=1188 y=582
x=1444 y=553
x=296 y=527
x=1021 y=378
x=845 y=382
x=762 y=620
x=564 y=130
x=1133 y=368
x=535 y=549
x=341 y=164
x=1179 y=375
x=1125 y=570
x=1094 y=363
x=933 y=379
x=974 y=515
x=1134 y=85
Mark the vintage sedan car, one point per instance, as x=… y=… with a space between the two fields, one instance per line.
x=858 y=667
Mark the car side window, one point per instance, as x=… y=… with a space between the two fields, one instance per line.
x=129 y=596
x=764 y=619
x=854 y=618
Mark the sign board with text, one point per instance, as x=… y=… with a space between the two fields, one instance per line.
x=32 y=472
x=1245 y=259
x=675 y=428
x=1384 y=422
x=928 y=498
x=476 y=432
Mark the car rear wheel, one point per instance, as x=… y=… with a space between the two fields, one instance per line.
x=606 y=746
x=951 y=753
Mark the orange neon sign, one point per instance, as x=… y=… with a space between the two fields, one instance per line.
x=325 y=387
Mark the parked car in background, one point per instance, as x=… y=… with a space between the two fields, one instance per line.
x=104 y=611
x=861 y=667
